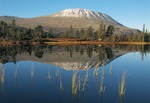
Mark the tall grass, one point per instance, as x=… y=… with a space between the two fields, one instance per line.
x=102 y=88
x=1 y=66
x=57 y=72
x=110 y=71
x=32 y=71
x=122 y=84
x=49 y=75
x=61 y=85
x=2 y=77
x=95 y=73
x=79 y=83
x=85 y=80
x=74 y=88
x=16 y=72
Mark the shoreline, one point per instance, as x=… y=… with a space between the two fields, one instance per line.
x=70 y=43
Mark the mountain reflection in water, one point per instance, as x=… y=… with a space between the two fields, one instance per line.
x=76 y=73
x=69 y=57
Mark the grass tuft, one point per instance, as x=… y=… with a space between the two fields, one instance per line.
x=122 y=84
x=102 y=88
x=74 y=88
x=49 y=75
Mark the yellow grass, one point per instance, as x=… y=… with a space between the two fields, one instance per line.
x=79 y=83
x=110 y=71
x=2 y=76
x=85 y=81
x=16 y=72
x=57 y=72
x=61 y=85
x=49 y=76
x=74 y=88
x=63 y=41
x=122 y=84
x=32 y=71
x=102 y=88
x=96 y=70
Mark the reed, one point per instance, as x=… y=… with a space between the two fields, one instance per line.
x=49 y=75
x=85 y=80
x=102 y=88
x=1 y=66
x=74 y=88
x=110 y=71
x=122 y=84
x=2 y=77
x=61 y=85
x=57 y=72
x=79 y=83
x=32 y=71
x=16 y=72
x=95 y=71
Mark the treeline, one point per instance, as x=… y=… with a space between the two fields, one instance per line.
x=90 y=34
x=13 y=32
x=103 y=33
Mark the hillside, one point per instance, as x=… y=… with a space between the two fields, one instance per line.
x=78 y=18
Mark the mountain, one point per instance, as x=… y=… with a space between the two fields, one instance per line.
x=86 y=14
x=78 y=18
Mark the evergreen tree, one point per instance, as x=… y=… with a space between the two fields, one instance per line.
x=13 y=23
x=143 y=33
x=110 y=30
x=50 y=33
x=90 y=33
x=71 y=31
x=19 y=34
x=38 y=32
x=3 y=29
x=28 y=34
x=13 y=29
x=82 y=32
x=67 y=34
x=101 y=31
x=77 y=34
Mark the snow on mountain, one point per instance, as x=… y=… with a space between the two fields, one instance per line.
x=84 y=13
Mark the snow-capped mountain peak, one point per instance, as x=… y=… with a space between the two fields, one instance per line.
x=83 y=13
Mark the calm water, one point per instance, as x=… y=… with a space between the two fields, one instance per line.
x=75 y=74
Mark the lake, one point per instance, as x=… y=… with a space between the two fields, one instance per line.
x=75 y=74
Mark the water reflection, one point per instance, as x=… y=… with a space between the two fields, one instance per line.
x=95 y=54
x=49 y=75
x=2 y=78
x=32 y=72
x=102 y=87
x=122 y=84
x=64 y=74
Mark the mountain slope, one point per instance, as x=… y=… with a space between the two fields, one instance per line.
x=85 y=13
x=78 y=18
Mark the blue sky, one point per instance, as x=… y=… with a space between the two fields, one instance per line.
x=131 y=13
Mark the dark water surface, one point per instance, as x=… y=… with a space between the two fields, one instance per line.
x=75 y=74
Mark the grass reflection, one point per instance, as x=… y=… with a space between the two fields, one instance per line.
x=122 y=84
x=2 y=77
x=110 y=71
x=74 y=84
x=61 y=84
x=85 y=80
x=49 y=75
x=102 y=87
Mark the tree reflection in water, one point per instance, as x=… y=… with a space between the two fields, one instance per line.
x=79 y=59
